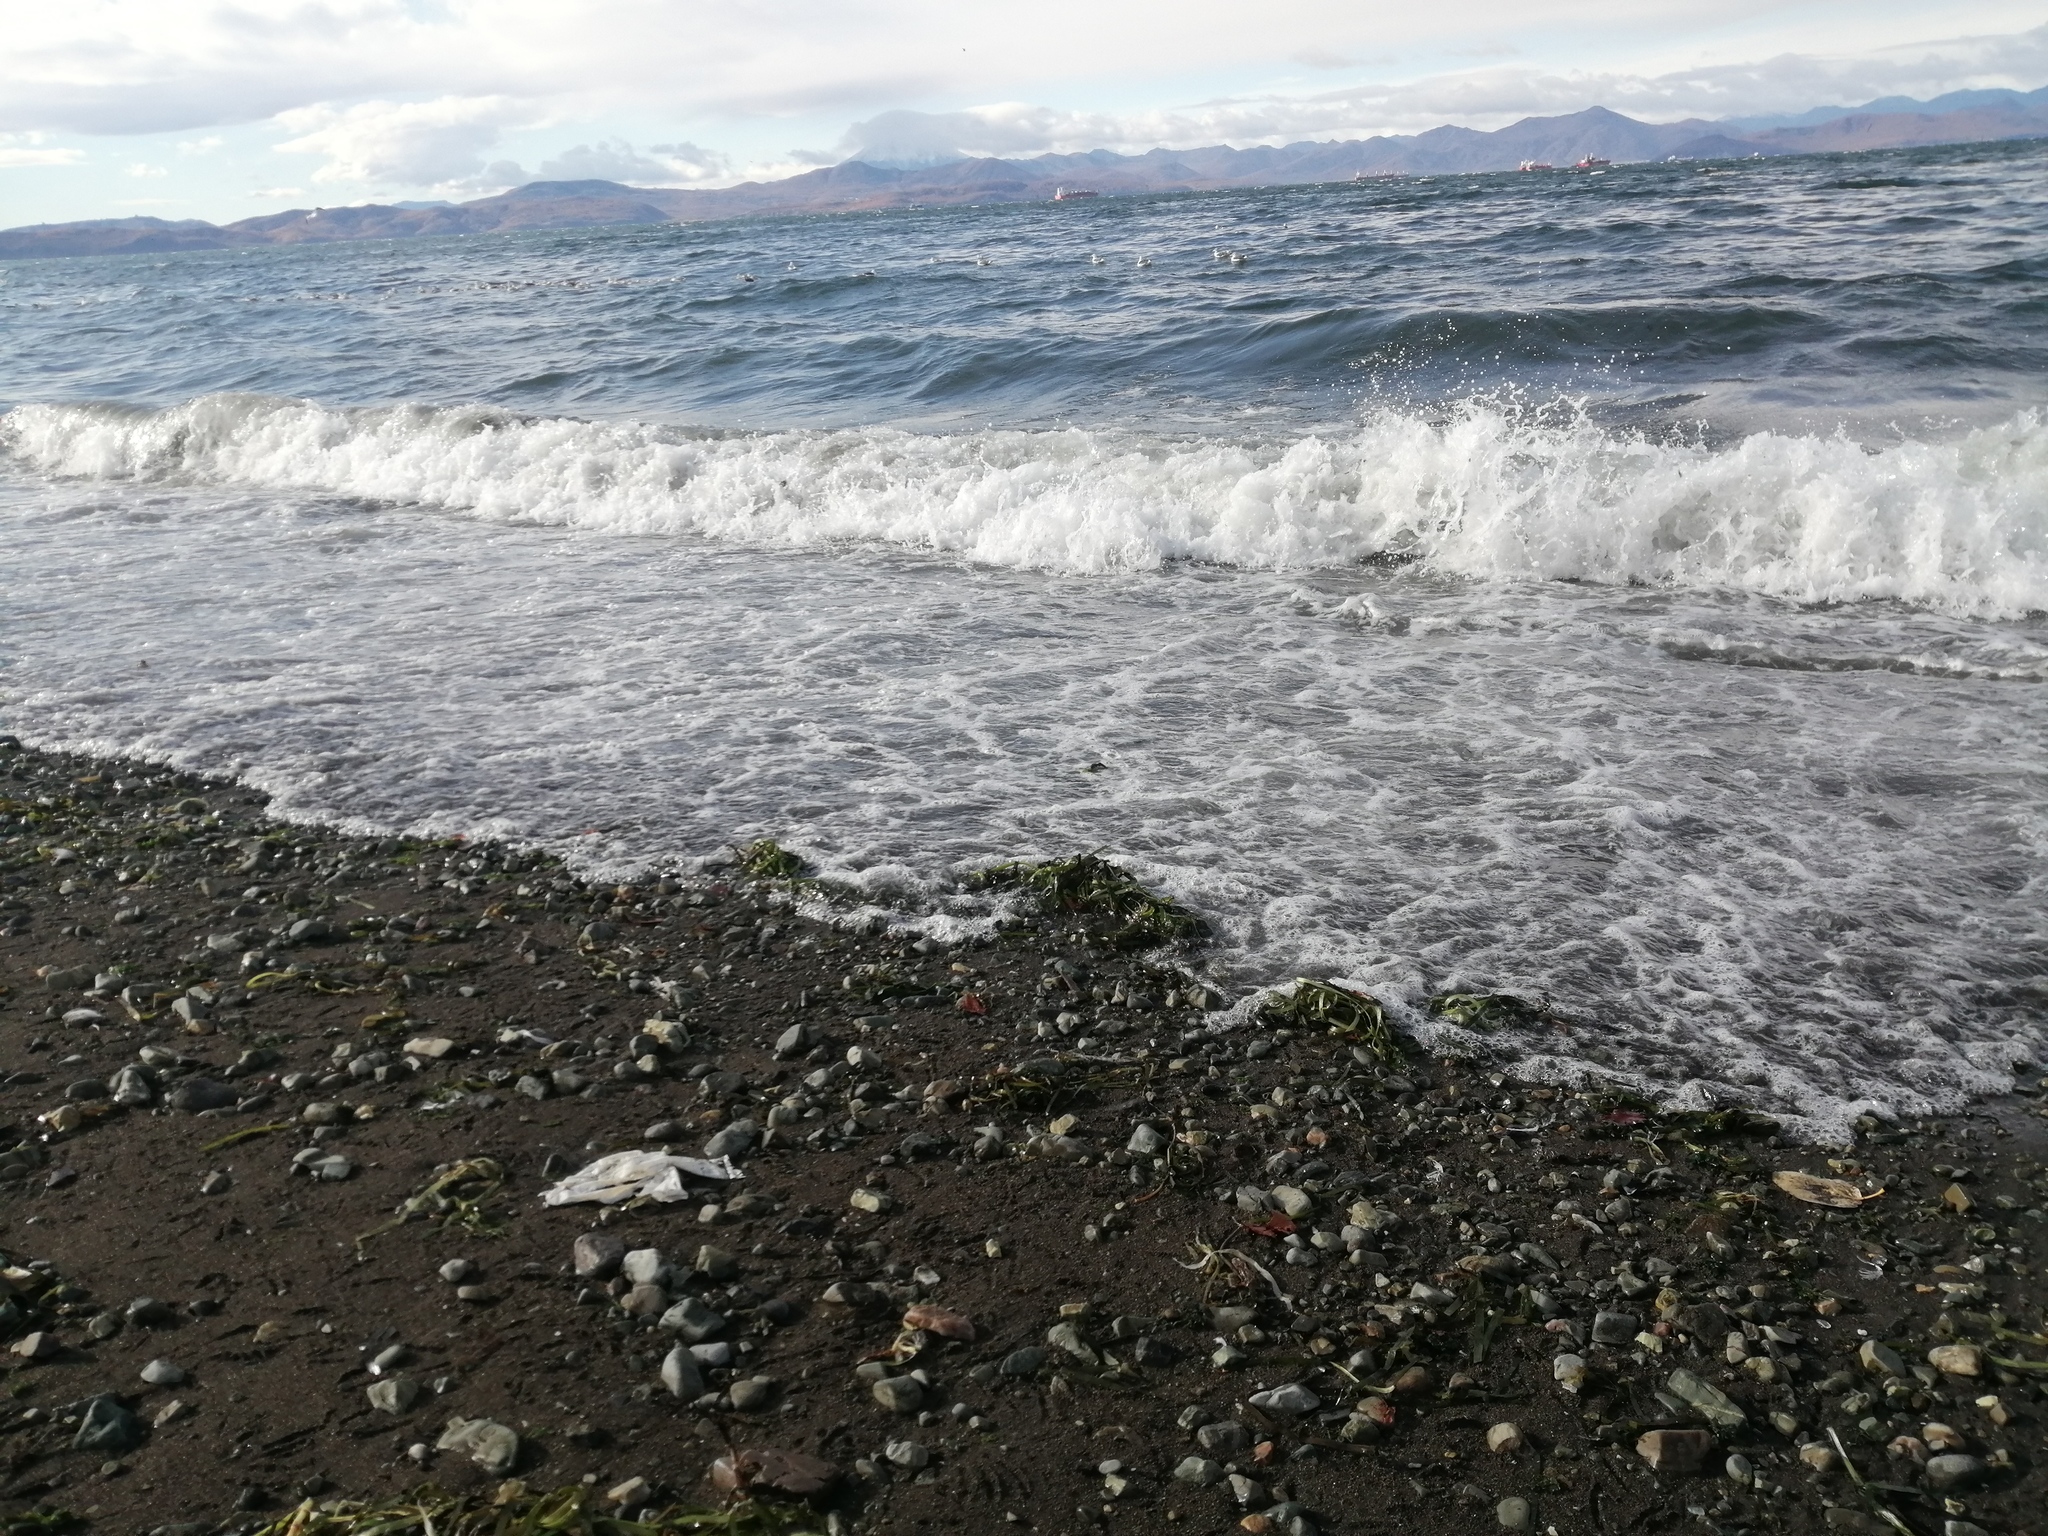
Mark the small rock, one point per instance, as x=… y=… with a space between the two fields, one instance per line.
x=1708 y=1401
x=428 y=1047
x=1957 y=1359
x=455 y=1271
x=752 y=1395
x=198 y=1094
x=643 y=1266
x=170 y=1413
x=1880 y=1359
x=1680 y=1451
x=1294 y=1203
x=216 y=1183
x=1569 y=1372
x=736 y=1139
x=873 y=1201
x=490 y=1445
x=1146 y=1141
x=1290 y=1400
x=1504 y=1439
x=908 y=1454
x=161 y=1373
x=598 y=1255
x=35 y=1346
x=394 y=1396
x=1952 y=1469
x=107 y=1427
x=1513 y=1514
x=681 y=1375
x=1198 y=1470
x=631 y=1494
x=1615 y=1327
x=1227 y=1439
x=693 y=1320
x=716 y=1264
x=900 y=1394
x=1027 y=1361
x=1066 y=1338
x=1819 y=1456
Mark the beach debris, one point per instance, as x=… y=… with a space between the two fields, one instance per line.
x=1349 y=1015
x=1836 y=1194
x=1087 y=883
x=624 y=1176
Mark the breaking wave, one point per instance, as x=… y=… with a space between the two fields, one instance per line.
x=1479 y=492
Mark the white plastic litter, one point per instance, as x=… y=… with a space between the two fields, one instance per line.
x=624 y=1175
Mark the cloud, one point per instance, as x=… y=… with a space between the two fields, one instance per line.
x=204 y=146
x=1479 y=98
x=272 y=193
x=438 y=143
x=20 y=150
x=617 y=160
x=144 y=168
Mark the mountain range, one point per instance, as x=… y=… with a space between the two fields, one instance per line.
x=855 y=185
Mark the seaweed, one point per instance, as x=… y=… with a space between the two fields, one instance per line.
x=569 y=1511
x=1486 y=1012
x=766 y=859
x=1087 y=884
x=457 y=1196
x=1354 y=1016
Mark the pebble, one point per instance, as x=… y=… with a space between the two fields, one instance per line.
x=908 y=1454
x=752 y=1394
x=1880 y=1359
x=1569 y=1372
x=1504 y=1439
x=900 y=1394
x=1615 y=1327
x=1708 y=1401
x=874 y=1201
x=1199 y=1470
x=105 y=1425
x=35 y=1346
x=1513 y=1514
x=1027 y=1361
x=1957 y=1359
x=198 y=1094
x=491 y=1445
x=1146 y=1141
x=643 y=1266
x=598 y=1255
x=161 y=1373
x=394 y=1396
x=1290 y=1400
x=1682 y=1451
x=1821 y=1458
x=736 y=1139
x=681 y=1374
x=693 y=1320
x=455 y=1271
x=1955 y=1470
x=474 y=1293
x=216 y=1183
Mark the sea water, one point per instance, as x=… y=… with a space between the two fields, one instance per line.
x=1626 y=590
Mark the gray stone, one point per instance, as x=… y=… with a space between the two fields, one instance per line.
x=197 y=1094
x=161 y=1373
x=1709 y=1402
x=1249 y=1493
x=1880 y=1359
x=1146 y=1141
x=216 y=1183
x=1513 y=1514
x=1227 y=1439
x=455 y=1271
x=394 y=1396
x=693 y=1320
x=642 y=1266
x=107 y=1427
x=752 y=1394
x=1615 y=1327
x=130 y=1087
x=908 y=1454
x=598 y=1255
x=716 y=1263
x=490 y=1445
x=681 y=1374
x=899 y=1394
x=1955 y=1470
x=1023 y=1362
x=1290 y=1400
x=736 y=1139
x=793 y=1041
x=1199 y=1470
x=1066 y=1338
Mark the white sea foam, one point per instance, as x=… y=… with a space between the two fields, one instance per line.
x=1960 y=524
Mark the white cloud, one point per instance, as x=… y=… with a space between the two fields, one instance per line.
x=438 y=143
x=20 y=150
x=144 y=168
x=204 y=146
x=272 y=193
x=663 y=165
x=1480 y=98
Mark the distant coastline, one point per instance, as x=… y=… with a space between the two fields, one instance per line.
x=855 y=186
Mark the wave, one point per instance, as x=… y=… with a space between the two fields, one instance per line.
x=1480 y=492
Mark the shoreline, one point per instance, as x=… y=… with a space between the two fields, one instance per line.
x=1191 y=1245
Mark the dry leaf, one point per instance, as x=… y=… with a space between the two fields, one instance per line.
x=1836 y=1194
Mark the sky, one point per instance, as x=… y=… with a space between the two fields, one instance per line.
x=223 y=109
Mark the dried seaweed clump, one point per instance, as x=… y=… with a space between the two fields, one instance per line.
x=1354 y=1016
x=1090 y=885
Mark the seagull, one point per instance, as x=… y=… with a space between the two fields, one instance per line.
x=746 y=277
x=1238 y=258
x=983 y=261
x=1094 y=260
x=1144 y=261
x=1219 y=255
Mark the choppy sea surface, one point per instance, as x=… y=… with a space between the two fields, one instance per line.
x=1628 y=589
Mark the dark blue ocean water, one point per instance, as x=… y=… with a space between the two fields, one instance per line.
x=1626 y=588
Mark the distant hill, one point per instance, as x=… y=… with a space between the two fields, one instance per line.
x=1965 y=117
